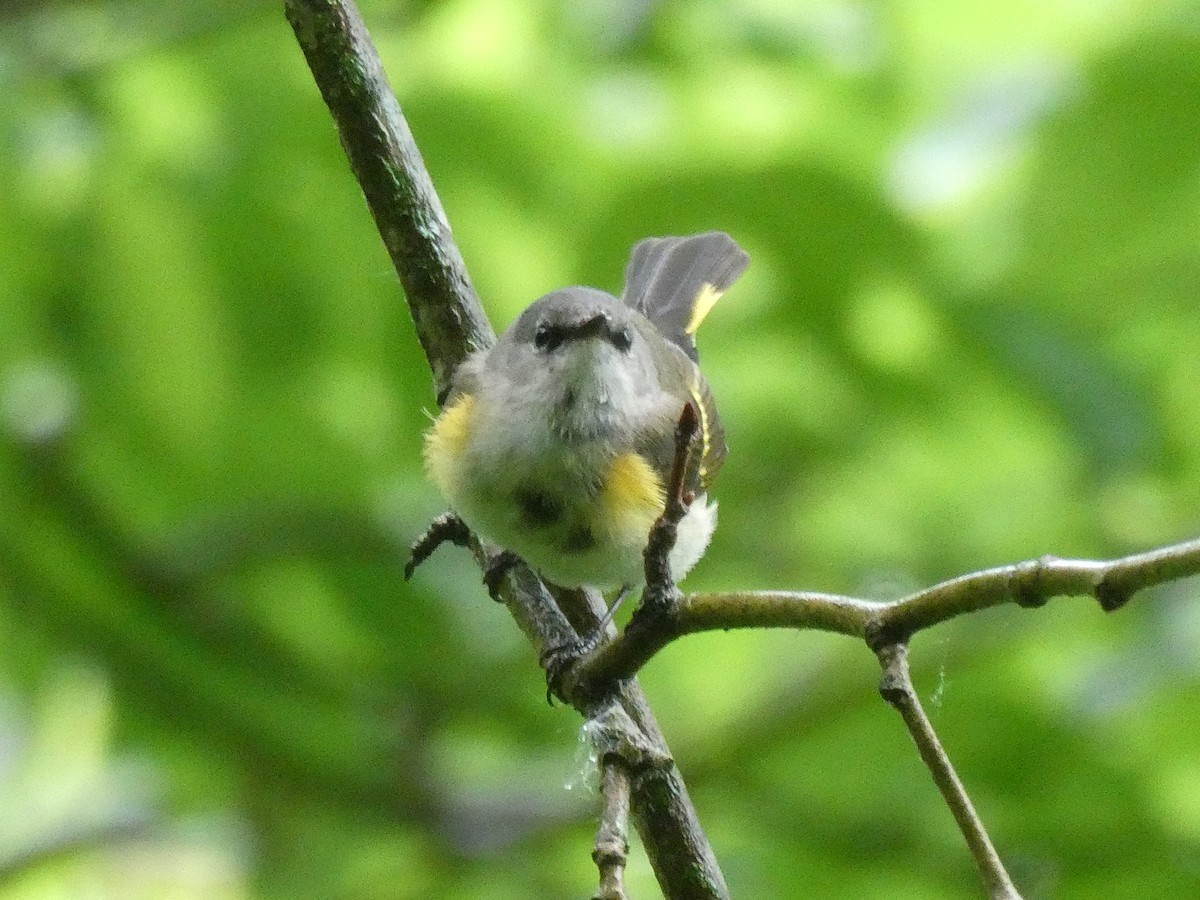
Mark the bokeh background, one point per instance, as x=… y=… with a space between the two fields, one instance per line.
x=969 y=336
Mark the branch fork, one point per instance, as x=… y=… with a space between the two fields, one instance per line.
x=450 y=324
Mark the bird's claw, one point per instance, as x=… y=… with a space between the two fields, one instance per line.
x=498 y=567
x=561 y=658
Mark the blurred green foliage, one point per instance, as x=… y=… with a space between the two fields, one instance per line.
x=969 y=335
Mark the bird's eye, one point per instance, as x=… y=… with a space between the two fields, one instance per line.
x=622 y=339
x=546 y=337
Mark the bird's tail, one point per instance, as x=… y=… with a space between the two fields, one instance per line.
x=675 y=281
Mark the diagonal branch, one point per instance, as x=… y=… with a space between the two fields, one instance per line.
x=450 y=323
x=896 y=687
x=385 y=160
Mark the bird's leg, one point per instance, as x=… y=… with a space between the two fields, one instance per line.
x=558 y=659
x=586 y=645
x=497 y=567
x=626 y=590
x=448 y=527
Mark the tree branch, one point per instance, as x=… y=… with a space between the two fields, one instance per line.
x=886 y=627
x=384 y=158
x=621 y=748
x=1031 y=583
x=612 y=845
x=450 y=324
x=896 y=688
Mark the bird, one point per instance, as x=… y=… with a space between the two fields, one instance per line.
x=555 y=443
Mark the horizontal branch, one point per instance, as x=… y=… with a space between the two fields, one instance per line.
x=1031 y=583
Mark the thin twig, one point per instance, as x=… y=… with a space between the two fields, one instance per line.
x=660 y=582
x=896 y=687
x=612 y=842
x=653 y=623
x=652 y=618
x=666 y=819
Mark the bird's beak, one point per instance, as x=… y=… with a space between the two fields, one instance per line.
x=596 y=326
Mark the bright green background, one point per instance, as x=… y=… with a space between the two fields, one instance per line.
x=969 y=336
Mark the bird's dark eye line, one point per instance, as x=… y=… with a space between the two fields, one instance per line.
x=547 y=337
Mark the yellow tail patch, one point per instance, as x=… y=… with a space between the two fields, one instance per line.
x=445 y=442
x=702 y=306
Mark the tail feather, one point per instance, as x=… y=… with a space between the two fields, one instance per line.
x=674 y=281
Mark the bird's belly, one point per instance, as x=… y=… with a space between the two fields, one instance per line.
x=562 y=525
x=575 y=534
x=579 y=514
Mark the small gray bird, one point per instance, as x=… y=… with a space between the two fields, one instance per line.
x=556 y=442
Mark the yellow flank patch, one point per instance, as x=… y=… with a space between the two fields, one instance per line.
x=446 y=440
x=632 y=498
x=702 y=306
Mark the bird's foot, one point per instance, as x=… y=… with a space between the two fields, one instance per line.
x=497 y=568
x=446 y=527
